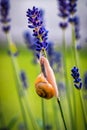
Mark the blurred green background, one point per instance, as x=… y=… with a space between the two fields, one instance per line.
x=10 y=109
x=9 y=102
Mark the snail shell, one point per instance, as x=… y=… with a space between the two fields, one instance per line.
x=43 y=87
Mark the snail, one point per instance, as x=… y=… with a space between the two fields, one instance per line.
x=43 y=87
x=45 y=83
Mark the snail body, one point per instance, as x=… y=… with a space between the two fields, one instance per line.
x=43 y=88
x=45 y=83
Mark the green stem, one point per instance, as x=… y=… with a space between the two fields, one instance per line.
x=66 y=79
x=58 y=101
x=23 y=112
x=43 y=113
x=74 y=46
x=76 y=63
x=18 y=86
x=43 y=53
x=34 y=124
x=56 y=117
x=21 y=91
x=84 y=117
x=42 y=100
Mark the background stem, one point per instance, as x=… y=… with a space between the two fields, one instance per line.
x=43 y=113
x=76 y=64
x=66 y=81
x=58 y=101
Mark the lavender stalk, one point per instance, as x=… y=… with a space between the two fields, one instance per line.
x=40 y=34
x=75 y=23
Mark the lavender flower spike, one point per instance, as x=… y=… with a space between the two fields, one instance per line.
x=72 y=6
x=23 y=79
x=63 y=12
x=77 y=80
x=63 y=8
x=76 y=22
x=4 y=12
x=35 y=21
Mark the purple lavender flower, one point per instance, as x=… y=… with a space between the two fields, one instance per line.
x=77 y=27
x=54 y=57
x=48 y=127
x=16 y=53
x=63 y=8
x=61 y=86
x=85 y=80
x=63 y=25
x=50 y=53
x=57 y=57
x=23 y=79
x=39 y=32
x=50 y=49
x=77 y=80
x=4 y=12
x=76 y=22
x=29 y=40
x=72 y=6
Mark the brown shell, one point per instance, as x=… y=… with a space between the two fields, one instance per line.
x=43 y=87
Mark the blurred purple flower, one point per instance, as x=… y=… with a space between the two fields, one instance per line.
x=54 y=57
x=29 y=40
x=85 y=80
x=73 y=19
x=4 y=12
x=50 y=52
x=48 y=127
x=63 y=8
x=72 y=6
x=14 y=54
x=76 y=22
x=63 y=25
x=61 y=86
x=63 y=12
x=23 y=79
x=77 y=80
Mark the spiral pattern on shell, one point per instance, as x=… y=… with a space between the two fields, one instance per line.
x=43 y=88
